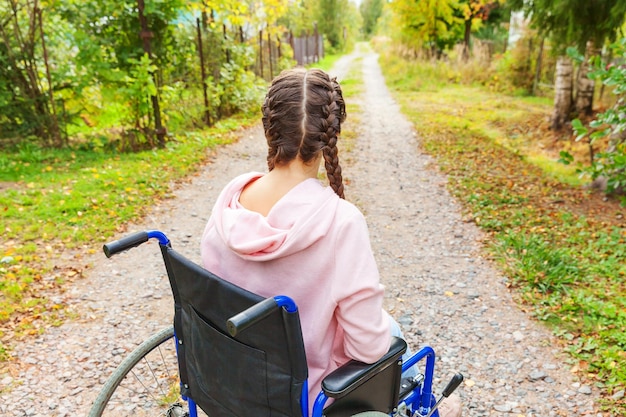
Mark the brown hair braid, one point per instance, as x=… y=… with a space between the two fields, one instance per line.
x=302 y=115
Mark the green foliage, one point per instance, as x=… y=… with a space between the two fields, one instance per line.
x=371 y=11
x=608 y=127
x=495 y=28
x=328 y=14
x=433 y=27
x=568 y=22
x=517 y=67
x=26 y=102
x=339 y=21
x=431 y=24
x=238 y=89
x=105 y=86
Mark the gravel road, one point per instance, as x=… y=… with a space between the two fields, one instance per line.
x=438 y=285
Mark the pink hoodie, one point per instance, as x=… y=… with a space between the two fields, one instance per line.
x=313 y=247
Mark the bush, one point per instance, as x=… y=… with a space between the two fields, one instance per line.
x=608 y=167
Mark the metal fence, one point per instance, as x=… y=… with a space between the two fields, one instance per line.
x=307 y=49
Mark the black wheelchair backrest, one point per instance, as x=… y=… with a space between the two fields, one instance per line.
x=259 y=372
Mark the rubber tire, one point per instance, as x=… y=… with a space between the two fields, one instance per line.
x=126 y=366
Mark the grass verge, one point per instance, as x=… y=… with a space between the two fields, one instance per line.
x=58 y=205
x=561 y=246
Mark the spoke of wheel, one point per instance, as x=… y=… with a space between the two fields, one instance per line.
x=156 y=380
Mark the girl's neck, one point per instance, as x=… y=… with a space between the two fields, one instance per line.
x=262 y=194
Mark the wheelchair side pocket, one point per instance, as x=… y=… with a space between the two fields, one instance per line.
x=222 y=371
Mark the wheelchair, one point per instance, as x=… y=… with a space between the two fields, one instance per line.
x=233 y=353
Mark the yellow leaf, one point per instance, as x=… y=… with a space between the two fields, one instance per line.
x=449 y=293
x=469 y=383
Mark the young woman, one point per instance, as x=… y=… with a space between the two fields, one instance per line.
x=284 y=232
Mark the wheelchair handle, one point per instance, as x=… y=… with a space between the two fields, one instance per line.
x=452 y=385
x=449 y=389
x=132 y=241
x=251 y=316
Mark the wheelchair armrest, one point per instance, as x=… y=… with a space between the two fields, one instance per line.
x=353 y=374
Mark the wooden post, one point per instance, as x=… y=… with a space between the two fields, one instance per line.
x=226 y=50
x=207 y=112
x=316 y=56
x=261 y=51
x=538 y=69
x=269 y=48
x=306 y=48
x=145 y=35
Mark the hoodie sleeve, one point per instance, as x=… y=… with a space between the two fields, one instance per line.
x=358 y=292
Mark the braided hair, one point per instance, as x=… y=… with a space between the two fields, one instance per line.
x=302 y=115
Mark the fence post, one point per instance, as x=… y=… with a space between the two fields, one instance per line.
x=306 y=48
x=207 y=113
x=316 y=56
x=269 y=48
x=261 y=51
x=225 y=45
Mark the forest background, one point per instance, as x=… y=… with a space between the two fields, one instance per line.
x=103 y=107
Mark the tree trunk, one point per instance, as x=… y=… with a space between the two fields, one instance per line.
x=562 y=92
x=466 y=39
x=584 y=85
x=146 y=35
x=53 y=129
x=538 y=68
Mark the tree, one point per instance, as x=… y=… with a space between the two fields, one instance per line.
x=370 y=10
x=474 y=11
x=118 y=42
x=27 y=103
x=583 y=24
x=328 y=17
x=431 y=25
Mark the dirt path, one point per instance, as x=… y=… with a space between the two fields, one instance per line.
x=438 y=285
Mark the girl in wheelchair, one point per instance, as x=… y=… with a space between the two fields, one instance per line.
x=285 y=232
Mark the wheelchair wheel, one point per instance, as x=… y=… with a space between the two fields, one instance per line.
x=145 y=383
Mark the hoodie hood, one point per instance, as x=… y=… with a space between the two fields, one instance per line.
x=297 y=220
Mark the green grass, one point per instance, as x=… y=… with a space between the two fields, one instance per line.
x=562 y=248
x=53 y=201
x=326 y=63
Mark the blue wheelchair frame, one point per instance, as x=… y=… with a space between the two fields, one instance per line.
x=419 y=400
